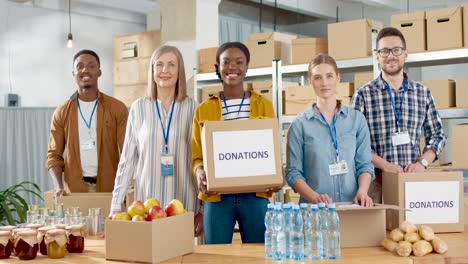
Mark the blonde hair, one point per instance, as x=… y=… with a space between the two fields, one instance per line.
x=322 y=58
x=181 y=85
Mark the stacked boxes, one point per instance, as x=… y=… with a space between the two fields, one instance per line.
x=268 y=46
x=460 y=151
x=298 y=98
x=207 y=60
x=461 y=93
x=413 y=27
x=443 y=92
x=444 y=28
x=304 y=50
x=362 y=78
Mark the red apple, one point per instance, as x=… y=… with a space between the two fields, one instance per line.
x=122 y=216
x=138 y=218
x=156 y=212
x=175 y=207
x=150 y=203
x=136 y=208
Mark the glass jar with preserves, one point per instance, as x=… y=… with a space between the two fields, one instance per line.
x=13 y=235
x=41 y=238
x=56 y=240
x=26 y=245
x=6 y=246
x=75 y=234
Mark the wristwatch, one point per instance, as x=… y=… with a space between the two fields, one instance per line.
x=423 y=162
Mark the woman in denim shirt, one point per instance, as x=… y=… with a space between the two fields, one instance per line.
x=329 y=154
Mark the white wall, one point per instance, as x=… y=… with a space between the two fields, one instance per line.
x=34 y=37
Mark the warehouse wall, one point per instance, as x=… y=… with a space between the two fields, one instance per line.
x=33 y=46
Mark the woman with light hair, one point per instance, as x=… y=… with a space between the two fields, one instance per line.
x=157 y=149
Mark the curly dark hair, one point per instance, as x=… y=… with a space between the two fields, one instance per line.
x=229 y=45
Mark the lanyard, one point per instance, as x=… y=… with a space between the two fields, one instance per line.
x=240 y=107
x=395 y=111
x=165 y=132
x=332 y=133
x=88 y=125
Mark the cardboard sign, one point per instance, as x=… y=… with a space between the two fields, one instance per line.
x=432 y=202
x=241 y=156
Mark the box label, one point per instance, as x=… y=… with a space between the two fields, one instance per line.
x=432 y=202
x=244 y=153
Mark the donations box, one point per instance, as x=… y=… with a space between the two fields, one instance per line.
x=242 y=156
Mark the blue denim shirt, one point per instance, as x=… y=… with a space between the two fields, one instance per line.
x=310 y=151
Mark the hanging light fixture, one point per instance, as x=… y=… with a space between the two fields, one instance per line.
x=70 y=36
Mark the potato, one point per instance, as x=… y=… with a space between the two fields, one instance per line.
x=389 y=244
x=421 y=248
x=412 y=237
x=439 y=245
x=397 y=235
x=408 y=227
x=426 y=232
x=404 y=248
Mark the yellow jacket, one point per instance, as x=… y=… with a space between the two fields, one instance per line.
x=210 y=110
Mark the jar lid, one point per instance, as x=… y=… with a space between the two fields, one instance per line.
x=27 y=233
x=60 y=226
x=74 y=227
x=45 y=229
x=7 y=228
x=55 y=232
x=34 y=226
x=20 y=229
x=5 y=233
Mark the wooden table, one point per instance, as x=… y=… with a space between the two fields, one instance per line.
x=253 y=253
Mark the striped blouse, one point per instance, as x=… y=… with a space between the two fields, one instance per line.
x=235 y=109
x=141 y=155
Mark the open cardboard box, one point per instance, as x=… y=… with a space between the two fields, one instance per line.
x=433 y=198
x=242 y=156
x=150 y=242
x=362 y=226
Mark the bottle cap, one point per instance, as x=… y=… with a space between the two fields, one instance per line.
x=331 y=206
x=313 y=206
x=321 y=205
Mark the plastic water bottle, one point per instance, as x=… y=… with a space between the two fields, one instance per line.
x=334 y=237
x=269 y=229
x=313 y=235
x=296 y=235
x=304 y=212
x=279 y=236
x=287 y=211
x=324 y=228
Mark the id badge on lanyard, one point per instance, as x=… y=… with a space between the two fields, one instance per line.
x=167 y=164
x=400 y=138
x=339 y=168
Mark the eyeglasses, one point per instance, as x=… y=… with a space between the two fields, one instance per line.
x=397 y=51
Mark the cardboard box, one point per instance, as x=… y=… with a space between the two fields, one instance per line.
x=284 y=49
x=145 y=42
x=131 y=71
x=207 y=91
x=466 y=205
x=207 y=59
x=343 y=47
x=413 y=27
x=304 y=50
x=263 y=52
x=83 y=200
x=291 y=196
x=461 y=91
x=298 y=98
x=362 y=78
x=443 y=92
x=445 y=157
x=242 y=156
x=354 y=233
x=345 y=101
x=465 y=26
x=150 y=242
x=129 y=93
x=444 y=28
x=345 y=89
x=433 y=198
x=459 y=148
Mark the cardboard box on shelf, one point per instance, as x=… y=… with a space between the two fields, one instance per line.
x=131 y=71
x=298 y=98
x=361 y=78
x=345 y=89
x=345 y=101
x=263 y=52
x=261 y=38
x=459 y=149
x=150 y=242
x=444 y=28
x=129 y=93
x=304 y=50
x=433 y=198
x=232 y=165
x=207 y=59
x=291 y=196
x=82 y=200
x=445 y=157
x=413 y=27
x=145 y=43
x=352 y=218
x=207 y=91
x=342 y=47
x=465 y=26
x=443 y=92
x=461 y=90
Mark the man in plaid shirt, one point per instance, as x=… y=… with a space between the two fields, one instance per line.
x=397 y=109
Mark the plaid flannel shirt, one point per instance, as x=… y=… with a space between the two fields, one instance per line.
x=418 y=113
